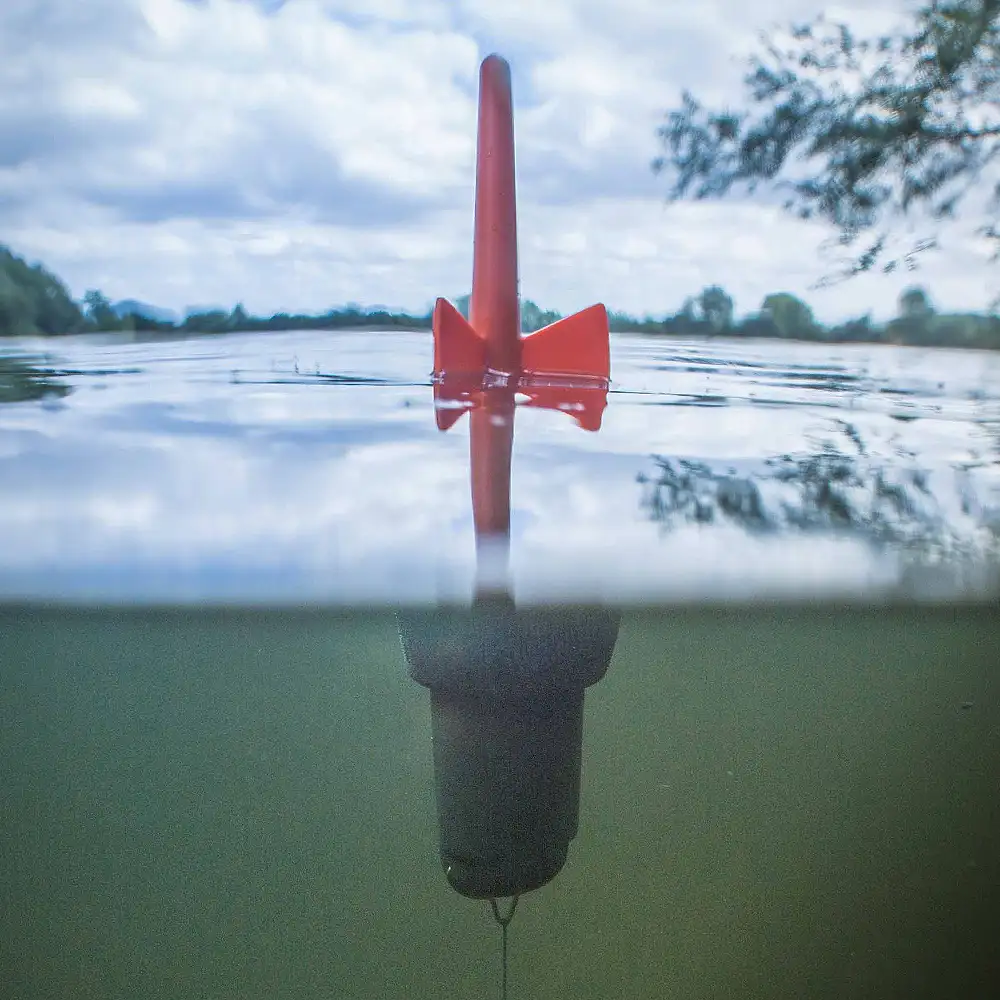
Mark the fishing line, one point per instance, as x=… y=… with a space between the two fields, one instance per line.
x=504 y=919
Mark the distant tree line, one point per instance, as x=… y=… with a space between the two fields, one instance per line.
x=785 y=316
x=100 y=314
x=33 y=302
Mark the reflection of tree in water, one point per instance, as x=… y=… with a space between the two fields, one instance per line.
x=886 y=504
x=21 y=381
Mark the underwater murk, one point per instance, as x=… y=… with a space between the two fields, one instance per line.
x=773 y=801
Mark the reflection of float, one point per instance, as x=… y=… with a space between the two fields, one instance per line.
x=507 y=685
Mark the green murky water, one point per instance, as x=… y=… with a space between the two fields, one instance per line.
x=780 y=801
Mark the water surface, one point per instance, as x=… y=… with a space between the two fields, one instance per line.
x=308 y=468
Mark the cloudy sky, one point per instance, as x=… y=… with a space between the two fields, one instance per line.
x=308 y=153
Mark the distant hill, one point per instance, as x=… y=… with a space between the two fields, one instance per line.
x=135 y=307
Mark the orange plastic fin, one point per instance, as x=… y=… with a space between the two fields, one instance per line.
x=454 y=396
x=457 y=346
x=585 y=405
x=449 y=414
x=576 y=345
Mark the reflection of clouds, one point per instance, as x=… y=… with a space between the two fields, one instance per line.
x=236 y=503
x=175 y=481
x=633 y=566
x=179 y=473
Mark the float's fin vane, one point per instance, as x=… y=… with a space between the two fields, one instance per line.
x=453 y=397
x=576 y=345
x=458 y=349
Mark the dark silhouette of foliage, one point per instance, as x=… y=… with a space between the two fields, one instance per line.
x=858 y=132
x=715 y=308
x=22 y=380
x=34 y=301
x=790 y=315
x=100 y=315
x=915 y=303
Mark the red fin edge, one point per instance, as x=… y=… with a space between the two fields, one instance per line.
x=576 y=345
x=458 y=349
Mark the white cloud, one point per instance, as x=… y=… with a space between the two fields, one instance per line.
x=323 y=152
